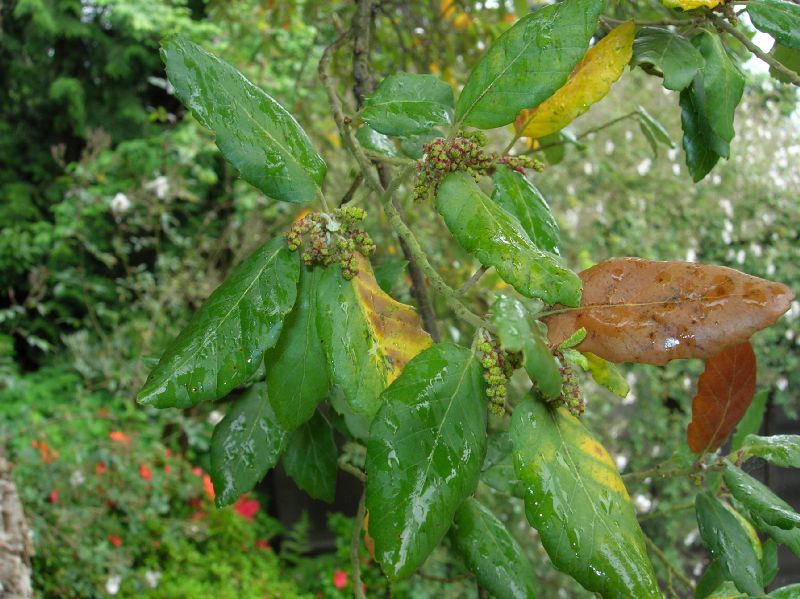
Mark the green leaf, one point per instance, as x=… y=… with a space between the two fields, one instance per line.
x=528 y=63
x=554 y=147
x=513 y=192
x=497 y=239
x=245 y=445
x=576 y=500
x=717 y=90
x=781 y=450
x=751 y=421
x=788 y=57
x=711 y=580
x=790 y=538
x=607 y=374
x=697 y=137
x=757 y=498
x=390 y=272
x=769 y=561
x=253 y=131
x=573 y=339
x=728 y=542
x=408 y=104
x=650 y=136
x=671 y=54
x=726 y=590
x=413 y=146
x=424 y=455
x=491 y=553
x=367 y=336
x=310 y=458
x=779 y=18
x=653 y=131
x=297 y=375
x=224 y=343
x=791 y=591
x=377 y=142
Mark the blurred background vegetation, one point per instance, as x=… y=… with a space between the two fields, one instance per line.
x=119 y=217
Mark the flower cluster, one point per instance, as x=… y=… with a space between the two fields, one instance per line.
x=332 y=238
x=498 y=366
x=463 y=153
x=571 y=394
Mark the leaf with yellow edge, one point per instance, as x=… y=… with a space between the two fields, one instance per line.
x=368 y=337
x=606 y=373
x=576 y=499
x=589 y=82
x=691 y=4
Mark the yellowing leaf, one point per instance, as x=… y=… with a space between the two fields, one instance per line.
x=447 y=8
x=691 y=4
x=589 y=82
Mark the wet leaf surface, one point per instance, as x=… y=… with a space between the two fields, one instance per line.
x=750 y=423
x=788 y=537
x=245 y=445
x=297 y=375
x=367 y=336
x=728 y=543
x=377 y=142
x=757 y=498
x=528 y=63
x=589 y=82
x=779 y=18
x=698 y=139
x=672 y=54
x=408 y=104
x=576 y=500
x=424 y=455
x=724 y=392
x=781 y=450
x=652 y=312
x=518 y=196
x=224 y=343
x=606 y=374
x=491 y=553
x=255 y=133
x=310 y=458
x=497 y=239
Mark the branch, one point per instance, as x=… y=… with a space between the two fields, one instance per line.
x=722 y=24
x=355 y=545
x=671 y=568
x=472 y=280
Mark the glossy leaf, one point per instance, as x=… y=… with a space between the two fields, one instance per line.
x=297 y=375
x=413 y=146
x=710 y=581
x=310 y=458
x=575 y=498
x=791 y=591
x=647 y=311
x=497 y=239
x=790 y=538
x=367 y=336
x=691 y=4
x=717 y=89
x=491 y=553
x=653 y=130
x=424 y=455
x=377 y=142
x=224 y=343
x=498 y=466
x=518 y=196
x=245 y=445
x=757 y=498
x=528 y=63
x=769 y=562
x=589 y=82
x=669 y=53
x=788 y=57
x=727 y=590
x=698 y=139
x=253 y=131
x=751 y=421
x=728 y=543
x=724 y=392
x=408 y=104
x=779 y=18
x=781 y=450
x=606 y=374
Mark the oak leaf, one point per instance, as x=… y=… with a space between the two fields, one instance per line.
x=637 y=310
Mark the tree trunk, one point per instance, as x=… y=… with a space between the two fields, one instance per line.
x=15 y=544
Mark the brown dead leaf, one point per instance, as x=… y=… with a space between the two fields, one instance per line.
x=638 y=310
x=724 y=392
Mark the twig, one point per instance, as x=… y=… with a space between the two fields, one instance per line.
x=671 y=568
x=395 y=160
x=657 y=472
x=472 y=280
x=355 y=544
x=680 y=507
x=351 y=191
x=722 y=24
x=350 y=469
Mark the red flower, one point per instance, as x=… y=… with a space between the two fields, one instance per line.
x=100 y=468
x=53 y=498
x=340 y=579
x=167 y=469
x=199 y=515
x=208 y=486
x=247 y=508
x=168 y=453
x=114 y=540
x=119 y=437
x=263 y=544
x=197 y=471
x=145 y=472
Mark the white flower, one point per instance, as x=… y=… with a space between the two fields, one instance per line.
x=621 y=461
x=782 y=383
x=628 y=135
x=676 y=169
x=77 y=479
x=159 y=186
x=642 y=503
x=112 y=584
x=152 y=577
x=609 y=147
x=588 y=169
x=672 y=154
x=120 y=204
x=644 y=167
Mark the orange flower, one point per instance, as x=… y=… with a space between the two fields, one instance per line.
x=119 y=437
x=208 y=486
x=340 y=579
x=100 y=468
x=145 y=472
x=114 y=540
x=46 y=454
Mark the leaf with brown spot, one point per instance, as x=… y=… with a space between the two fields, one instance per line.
x=368 y=337
x=724 y=391
x=637 y=310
